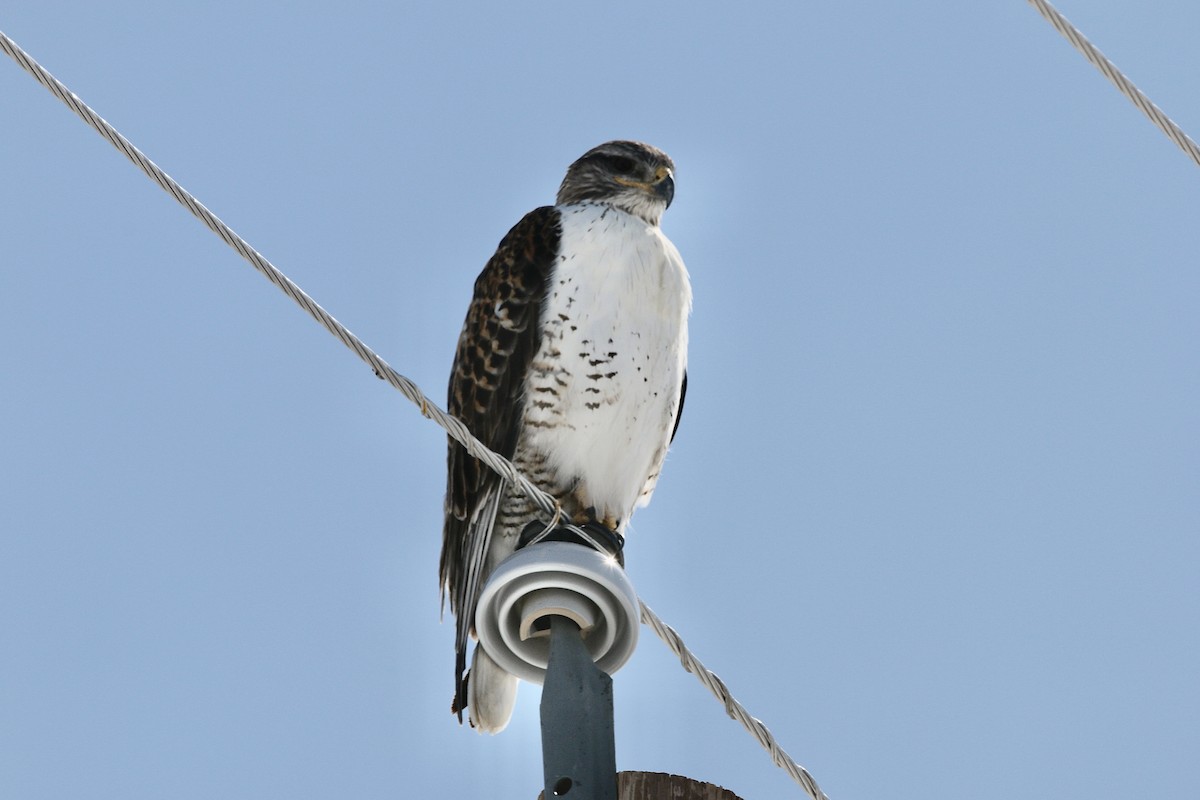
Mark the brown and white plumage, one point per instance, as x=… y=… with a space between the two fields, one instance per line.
x=572 y=363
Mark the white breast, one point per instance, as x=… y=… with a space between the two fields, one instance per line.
x=605 y=386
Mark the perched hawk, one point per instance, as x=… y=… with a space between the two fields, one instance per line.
x=572 y=363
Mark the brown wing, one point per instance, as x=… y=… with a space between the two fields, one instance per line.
x=500 y=337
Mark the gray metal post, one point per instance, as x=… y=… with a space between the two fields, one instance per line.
x=579 y=751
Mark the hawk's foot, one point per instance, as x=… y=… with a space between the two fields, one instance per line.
x=610 y=542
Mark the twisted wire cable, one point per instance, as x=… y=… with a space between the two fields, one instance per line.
x=451 y=425
x=733 y=708
x=448 y=423
x=1117 y=78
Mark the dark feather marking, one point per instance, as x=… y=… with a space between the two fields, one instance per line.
x=486 y=382
x=679 y=411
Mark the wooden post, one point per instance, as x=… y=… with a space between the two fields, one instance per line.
x=661 y=786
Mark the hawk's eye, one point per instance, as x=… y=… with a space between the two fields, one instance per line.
x=622 y=165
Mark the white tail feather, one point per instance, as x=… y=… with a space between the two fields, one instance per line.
x=491 y=694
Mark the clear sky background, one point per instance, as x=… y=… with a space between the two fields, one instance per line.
x=933 y=510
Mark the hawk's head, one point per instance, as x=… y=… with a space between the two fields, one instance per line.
x=631 y=176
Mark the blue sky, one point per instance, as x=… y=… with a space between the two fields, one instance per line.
x=933 y=509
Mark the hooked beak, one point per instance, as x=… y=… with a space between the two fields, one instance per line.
x=664 y=187
x=663 y=184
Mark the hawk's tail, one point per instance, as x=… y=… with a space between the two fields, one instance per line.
x=491 y=693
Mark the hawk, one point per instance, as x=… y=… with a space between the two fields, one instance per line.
x=572 y=363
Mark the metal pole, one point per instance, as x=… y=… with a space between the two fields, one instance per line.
x=579 y=752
